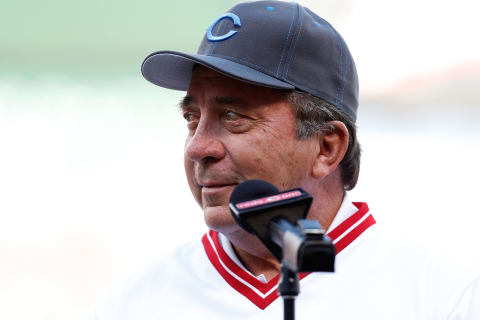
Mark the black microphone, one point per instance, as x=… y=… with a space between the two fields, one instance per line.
x=278 y=220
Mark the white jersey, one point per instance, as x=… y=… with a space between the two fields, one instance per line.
x=373 y=279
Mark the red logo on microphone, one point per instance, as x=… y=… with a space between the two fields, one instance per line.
x=270 y=199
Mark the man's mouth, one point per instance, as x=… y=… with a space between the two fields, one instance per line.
x=213 y=188
x=216 y=186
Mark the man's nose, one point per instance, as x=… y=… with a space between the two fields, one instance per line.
x=204 y=144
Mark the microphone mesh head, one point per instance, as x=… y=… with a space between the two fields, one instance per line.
x=252 y=189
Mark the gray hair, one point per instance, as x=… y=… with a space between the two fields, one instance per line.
x=313 y=116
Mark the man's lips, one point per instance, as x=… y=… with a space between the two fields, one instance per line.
x=213 y=188
x=217 y=185
x=215 y=182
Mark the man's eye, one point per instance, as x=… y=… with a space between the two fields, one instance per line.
x=232 y=116
x=189 y=116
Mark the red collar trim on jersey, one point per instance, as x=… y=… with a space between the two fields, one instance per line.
x=263 y=294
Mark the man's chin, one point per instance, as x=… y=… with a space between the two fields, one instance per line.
x=220 y=219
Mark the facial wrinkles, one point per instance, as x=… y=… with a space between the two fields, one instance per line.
x=212 y=169
x=266 y=132
x=207 y=173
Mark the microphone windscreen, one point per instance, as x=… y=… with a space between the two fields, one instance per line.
x=252 y=189
x=254 y=204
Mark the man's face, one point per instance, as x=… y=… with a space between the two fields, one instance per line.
x=237 y=132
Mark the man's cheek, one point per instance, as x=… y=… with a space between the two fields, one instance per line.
x=190 y=174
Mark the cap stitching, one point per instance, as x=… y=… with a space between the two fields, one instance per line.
x=294 y=45
x=315 y=92
x=341 y=59
x=341 y=71
x=286 y=39
x=323 y=96
x=344 y=75
x=238 y=59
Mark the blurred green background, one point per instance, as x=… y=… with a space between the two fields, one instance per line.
x=91 y=154
x=92 y=38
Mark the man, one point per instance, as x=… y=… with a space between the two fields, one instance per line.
x=272 y=94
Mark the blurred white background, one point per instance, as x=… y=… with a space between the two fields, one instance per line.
x=91 y=157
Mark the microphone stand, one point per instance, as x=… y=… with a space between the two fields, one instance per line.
x=305 y=248
x=288 y=289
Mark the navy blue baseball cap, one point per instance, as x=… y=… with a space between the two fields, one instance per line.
x=268 y=43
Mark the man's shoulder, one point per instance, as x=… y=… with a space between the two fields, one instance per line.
x=168 y=264
x=400 y=250
x=442 y=275
x=145 y=287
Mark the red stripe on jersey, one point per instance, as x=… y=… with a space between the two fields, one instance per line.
x=243 y=282
x=354 y=234
x=350 y=221
x=263 y=294
x=261 y=286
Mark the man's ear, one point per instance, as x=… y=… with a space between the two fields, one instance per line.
x=332 y=146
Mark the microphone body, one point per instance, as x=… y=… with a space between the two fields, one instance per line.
x=278 y=220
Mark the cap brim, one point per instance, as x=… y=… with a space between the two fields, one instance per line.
x=173 y=70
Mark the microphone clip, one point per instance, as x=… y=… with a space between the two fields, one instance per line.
x=305 y=247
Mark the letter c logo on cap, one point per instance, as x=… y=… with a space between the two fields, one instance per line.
x=236 y=23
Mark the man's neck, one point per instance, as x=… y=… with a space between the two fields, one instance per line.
x=268 y=267
x=253 y=255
